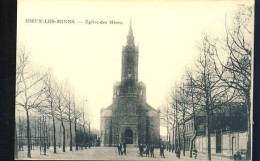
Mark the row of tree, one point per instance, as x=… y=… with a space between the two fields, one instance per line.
x=47 y=100
x=221 y=76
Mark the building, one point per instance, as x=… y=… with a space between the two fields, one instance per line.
x=228 y=131
x=129 y=119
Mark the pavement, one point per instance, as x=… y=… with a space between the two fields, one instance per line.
x=106 y=153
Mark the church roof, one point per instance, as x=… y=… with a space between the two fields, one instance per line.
x=148 y=107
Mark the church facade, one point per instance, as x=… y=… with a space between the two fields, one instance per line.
x=130 y=118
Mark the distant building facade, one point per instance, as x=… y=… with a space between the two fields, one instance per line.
x=129 y=119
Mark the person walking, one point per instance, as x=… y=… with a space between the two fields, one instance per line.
x=124 y=146
x=152 y=151
x=119 y=148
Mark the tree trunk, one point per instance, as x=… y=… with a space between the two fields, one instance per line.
x=48 y=136
x=35 y=133
x=169 y=142
x=192 y=143
x=179 y=138
x=16 y=144
x=54 y=134
x=173 y=139
x=85 y=137
x=89 y=136
x=64 y=141
x=76 y=135
x=184 y=139
x=20 y=134
x=70 y=135
x=248 y=104
x=195 y=132
x=28 y=134
x=40 y=135
x=44 y=135
x=60 y=137
x=208 y=134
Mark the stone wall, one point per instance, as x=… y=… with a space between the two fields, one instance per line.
x=231 y=142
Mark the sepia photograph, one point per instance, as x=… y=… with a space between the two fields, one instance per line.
x=134 y=80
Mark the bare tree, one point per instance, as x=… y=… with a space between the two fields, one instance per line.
x=175 y=117
x=51 y=101
x=89 y=127
x=68 y=104
x=84 y=124
x=76 y=115
x=182 y=111
x=213 y=92
x=237 y=47
x=166 y=115
x=61 y=113
x=29 y=89
x=44 y=133
x=193 y=97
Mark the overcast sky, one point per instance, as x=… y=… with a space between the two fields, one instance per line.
x=89 y=56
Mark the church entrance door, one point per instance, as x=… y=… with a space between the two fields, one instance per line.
x=128 y=136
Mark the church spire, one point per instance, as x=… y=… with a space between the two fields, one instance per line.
x=130 y=36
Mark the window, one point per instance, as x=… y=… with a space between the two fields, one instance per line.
x=129 y=73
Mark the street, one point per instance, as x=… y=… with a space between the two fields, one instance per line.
x=106 y=153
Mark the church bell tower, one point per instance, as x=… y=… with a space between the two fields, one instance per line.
x=129 y=119
x=130 y=53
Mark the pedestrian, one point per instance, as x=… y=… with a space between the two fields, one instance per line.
x=162 y=151
x=178 y=153
x=124 y=146
x=147 y=150
x=237 y=156
x=152 y=151
x=141 y=150
x=119 y=148
x=195 y=153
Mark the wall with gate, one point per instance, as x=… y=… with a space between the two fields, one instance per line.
x=226 y=143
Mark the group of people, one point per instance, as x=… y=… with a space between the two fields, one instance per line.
x=148 y=149
x=119 y=148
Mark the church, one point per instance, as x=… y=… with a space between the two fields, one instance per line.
x=129 y=119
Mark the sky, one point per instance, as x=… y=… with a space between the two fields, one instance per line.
x=89 y=55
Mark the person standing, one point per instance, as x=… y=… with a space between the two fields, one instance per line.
x=195 y=153
x=141 y=150
x=162 y=151
x=119 y=148
x=124 y=146
x=178 y=153
x=152 y=151
x=147 y=150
